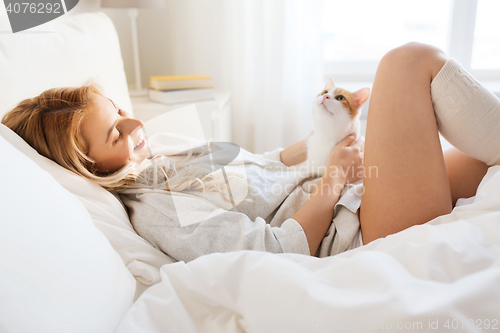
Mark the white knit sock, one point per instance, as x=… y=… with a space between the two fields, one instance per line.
x=468 y=115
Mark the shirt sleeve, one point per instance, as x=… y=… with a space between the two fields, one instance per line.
x=273 y=154
x=203 y=228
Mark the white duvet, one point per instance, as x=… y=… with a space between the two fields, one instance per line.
x=441 y=276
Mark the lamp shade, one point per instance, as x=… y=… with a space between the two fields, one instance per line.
x=132 y=3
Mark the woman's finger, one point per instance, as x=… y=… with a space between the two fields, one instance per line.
x=359 y=143
x=348 y=140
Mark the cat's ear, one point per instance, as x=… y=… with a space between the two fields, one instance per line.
x=329 y=84
x=361 y=96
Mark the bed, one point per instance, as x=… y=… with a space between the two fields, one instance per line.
x=70 y=260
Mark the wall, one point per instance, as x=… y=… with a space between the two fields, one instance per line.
x=186 y=38
x=193 y=22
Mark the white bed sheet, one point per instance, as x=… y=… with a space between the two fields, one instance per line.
x=434 y=277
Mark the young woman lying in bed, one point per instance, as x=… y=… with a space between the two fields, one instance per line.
x=417 y=91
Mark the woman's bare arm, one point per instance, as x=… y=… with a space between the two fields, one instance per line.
x=296 y=153
x=315 y=216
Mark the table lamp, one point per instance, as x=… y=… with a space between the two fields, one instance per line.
x=132 y=6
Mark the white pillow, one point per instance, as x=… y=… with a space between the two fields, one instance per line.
x=68 y=51
x=108 y=214
x=84 y=47
x=58 y=273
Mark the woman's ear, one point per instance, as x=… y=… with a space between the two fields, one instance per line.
x=361 y=96
x=329 y=84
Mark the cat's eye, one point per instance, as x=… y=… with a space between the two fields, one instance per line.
x=340 y=98
x=324 y=92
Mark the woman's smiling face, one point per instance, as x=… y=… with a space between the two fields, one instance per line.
x=113 y=137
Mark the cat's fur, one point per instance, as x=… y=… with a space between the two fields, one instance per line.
x=335 y=114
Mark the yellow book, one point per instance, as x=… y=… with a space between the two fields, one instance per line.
x=174 y=82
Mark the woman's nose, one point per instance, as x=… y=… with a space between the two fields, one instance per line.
x=130 y=124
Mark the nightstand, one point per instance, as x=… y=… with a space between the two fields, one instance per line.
x=215 y=114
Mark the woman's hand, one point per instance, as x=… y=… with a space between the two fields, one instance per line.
x=346 y=160
x=315 y=216
x=296 y=153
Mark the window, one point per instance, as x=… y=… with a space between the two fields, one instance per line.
x=486 y=47
x=357 y=33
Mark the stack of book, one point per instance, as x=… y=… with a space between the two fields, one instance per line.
x=180 y=89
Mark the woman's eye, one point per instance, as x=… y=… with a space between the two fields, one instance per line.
x=120 y=112
x=119 y=137
x=340 y=98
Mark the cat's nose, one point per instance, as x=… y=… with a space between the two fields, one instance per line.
x=326 y=97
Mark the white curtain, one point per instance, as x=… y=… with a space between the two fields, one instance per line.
x=267 y=52
x=276 y=70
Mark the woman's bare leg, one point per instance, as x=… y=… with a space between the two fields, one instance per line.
x=411 y=185
x=464 y=173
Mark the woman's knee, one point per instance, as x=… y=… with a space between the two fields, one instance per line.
x=414 y=56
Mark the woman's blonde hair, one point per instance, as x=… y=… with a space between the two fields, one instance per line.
x=51 y=124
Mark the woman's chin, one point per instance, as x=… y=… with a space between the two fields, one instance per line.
x=140 y=155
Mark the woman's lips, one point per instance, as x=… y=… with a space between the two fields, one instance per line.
x=141 y=144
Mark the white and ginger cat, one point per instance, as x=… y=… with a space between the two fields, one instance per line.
x=335 y=114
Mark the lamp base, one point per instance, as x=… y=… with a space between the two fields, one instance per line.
x=132 y=12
